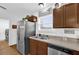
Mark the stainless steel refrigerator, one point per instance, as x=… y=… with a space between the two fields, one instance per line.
x=25 y=29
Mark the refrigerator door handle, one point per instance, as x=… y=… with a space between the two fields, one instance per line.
x=24 y=37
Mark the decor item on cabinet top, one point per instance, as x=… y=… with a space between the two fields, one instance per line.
x=30 y=18
x=26 y=18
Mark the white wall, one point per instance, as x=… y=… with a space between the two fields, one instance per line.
x=4 y=24
x=37 y=24
x=12 y=33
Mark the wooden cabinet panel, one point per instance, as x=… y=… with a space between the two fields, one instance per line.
x=33 y=47
x=70 y=11
x=38 y=48
x=42 y=48
x=78 y=15
x=58 y=18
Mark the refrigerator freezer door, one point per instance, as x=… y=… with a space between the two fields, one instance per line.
x=21 y=35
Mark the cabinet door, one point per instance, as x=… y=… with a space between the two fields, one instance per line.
x=70 y=11
x=58 y=18
x=33 y=47
x=42 y=48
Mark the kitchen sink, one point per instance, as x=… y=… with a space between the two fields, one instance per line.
x=41 y=37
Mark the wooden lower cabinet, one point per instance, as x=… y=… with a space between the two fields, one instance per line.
x=38 y=47
x=33 y=47
x=42 y=48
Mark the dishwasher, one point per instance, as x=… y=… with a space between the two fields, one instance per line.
x=56 y=50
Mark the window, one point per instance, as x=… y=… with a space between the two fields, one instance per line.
x=46 y=22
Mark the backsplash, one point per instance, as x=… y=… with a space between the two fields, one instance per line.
x=63 y=38
x=71 y=33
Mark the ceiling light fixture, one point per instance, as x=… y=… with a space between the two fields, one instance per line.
x=41 y=4
x=57 y=5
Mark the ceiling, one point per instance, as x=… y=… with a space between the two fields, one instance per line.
x=18 y=10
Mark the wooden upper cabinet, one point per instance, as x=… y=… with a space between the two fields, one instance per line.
x=67 y=16
x=58 y=18
x=70 y=15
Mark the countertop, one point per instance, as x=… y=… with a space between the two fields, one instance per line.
x=59 y=41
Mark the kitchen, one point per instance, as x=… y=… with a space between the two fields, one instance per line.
x=51 y=29
x=56 y=43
